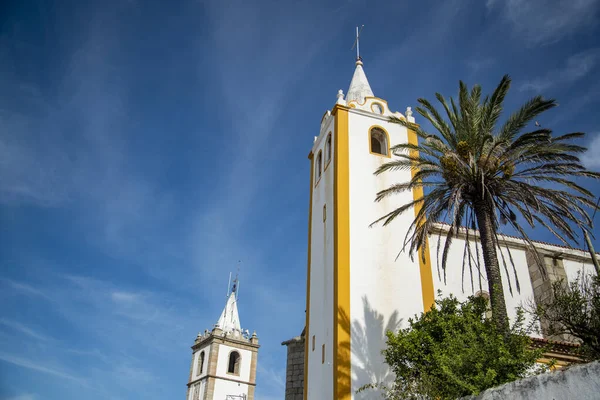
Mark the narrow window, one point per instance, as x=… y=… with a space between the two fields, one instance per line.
x=319 y=165
x=328 y=149
x=234 y=363
x=200 y=363
x=313 y=343
x=323 y=354
x=324 y=212
x=379 y=143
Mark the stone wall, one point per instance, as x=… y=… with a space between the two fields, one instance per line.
x=294 y=381
x=542 y=285
x=580 y=382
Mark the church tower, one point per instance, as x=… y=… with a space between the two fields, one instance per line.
x=357 y=285
x=224 y=359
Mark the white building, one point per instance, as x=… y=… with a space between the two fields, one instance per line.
x=224 y=360
x=358 y=286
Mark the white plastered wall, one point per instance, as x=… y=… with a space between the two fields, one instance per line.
x=195 y=370
x=320 y=384
x=380 y=284
x=460 y=286
x=224 y=388
x=572 y=268
x=223 y=363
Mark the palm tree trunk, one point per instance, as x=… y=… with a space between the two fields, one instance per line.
x=484 y=216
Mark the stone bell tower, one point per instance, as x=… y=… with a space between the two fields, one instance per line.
x=224 y=359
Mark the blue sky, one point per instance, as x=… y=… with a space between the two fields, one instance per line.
x=146 y=148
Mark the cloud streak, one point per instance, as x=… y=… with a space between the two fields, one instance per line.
x=38 y=367
x=25 y=289
x=590 y=158
x=577 y=66
x=24 y=329
x=25 y=396
x=540 y=22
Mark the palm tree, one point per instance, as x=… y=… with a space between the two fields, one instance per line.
x=477 y=173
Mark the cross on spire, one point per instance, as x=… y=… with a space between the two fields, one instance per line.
x=357 y=43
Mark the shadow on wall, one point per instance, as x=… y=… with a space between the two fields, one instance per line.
x=369 y=340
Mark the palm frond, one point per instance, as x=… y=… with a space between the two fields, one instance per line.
x=473 y=165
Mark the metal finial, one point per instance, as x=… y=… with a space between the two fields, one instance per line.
x=357 y=44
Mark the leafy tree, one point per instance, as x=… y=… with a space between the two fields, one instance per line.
x=574 y=309
x=452 y=351
x=479 y=173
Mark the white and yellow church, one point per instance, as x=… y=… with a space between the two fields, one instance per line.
x=358 y=286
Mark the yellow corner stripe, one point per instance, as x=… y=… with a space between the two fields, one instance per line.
x=306 y=327
x=341 y=268
x=424 y=265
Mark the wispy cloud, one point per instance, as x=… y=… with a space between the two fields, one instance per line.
x=70 y=149
x=286 y=49
x=590 y=158
x=93 y=353
x=136 y=375
x=576 y=67
x=25 y=396
x=478 y=64
x=25 y=288
x=36 y=365
x=124 y=297
x=24 y=329
x=546 y=21
x=272 y=378
x=440 y=21
x=278 y=54
x=142 y=307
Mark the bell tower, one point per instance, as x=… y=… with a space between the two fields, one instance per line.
x=224 y=359
x=357 y=283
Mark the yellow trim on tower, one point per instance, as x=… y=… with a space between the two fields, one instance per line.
x=307 y=327
x=342 y=388
x=367 y=98
x=424 y=264
x=380 y=105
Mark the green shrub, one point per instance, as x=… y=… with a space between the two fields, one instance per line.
x=574 y=309
x=453 y=350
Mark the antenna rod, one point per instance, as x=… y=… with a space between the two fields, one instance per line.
x=356 y=42
x=229 y=284
x=237 y=281
x=357 y=45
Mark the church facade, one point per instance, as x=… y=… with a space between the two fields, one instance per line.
x=224 y=359
x=358 y=284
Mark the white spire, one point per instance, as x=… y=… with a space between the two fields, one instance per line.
x=359 y=86
x=229 y=321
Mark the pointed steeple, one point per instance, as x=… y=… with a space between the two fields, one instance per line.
x=359 y=86
x=229 y=321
